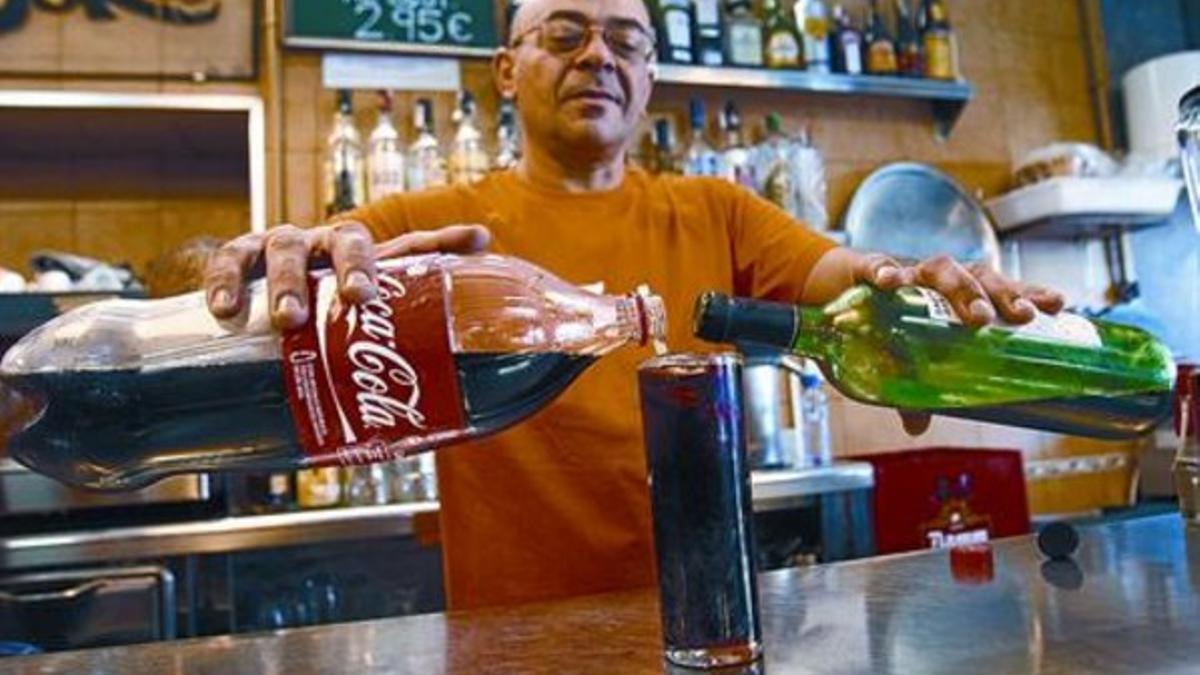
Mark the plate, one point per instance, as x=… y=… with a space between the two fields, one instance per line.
x=912 y=212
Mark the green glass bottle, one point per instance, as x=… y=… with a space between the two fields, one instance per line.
x=907 y=349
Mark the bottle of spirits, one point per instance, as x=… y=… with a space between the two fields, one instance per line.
x=881 y=51
x=812 y=188
x=907 y=349
x=813 y=19
x=345 y=180
x=739 y=167
x=937 y=40
x=709 y=45
x=385 y=154
x=120 y=393
x=784 y=48
x=701 y=159
x=743 y=34
x=847 y=43
x=468 y=159
x=676 y=21
x=908 y=44
x=508 y=137
x=319 y=487
x=777 y=168
x=665 y=159
x=426 y=165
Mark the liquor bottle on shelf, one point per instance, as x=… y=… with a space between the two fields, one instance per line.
x=908 y=350
x=345 y=182
x=120 y=393
x=385 y=154
x=676 y=21
x=937 y=41
x=426 y=165
x=784 y=48
x=908 y=43
x=881 y=51
x=709 y=45
x=743 y=34
x=508 y=137
x=468 y=159
x=776 y=166
x=319 y=487
x=665 y=159
x=739 y=169
x=701 y=158
x=812 y=188
x=267 y=492
x=366 y=485
x=812 y=17
x=847 y=43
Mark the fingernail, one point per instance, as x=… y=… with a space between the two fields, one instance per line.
x=221 y=299
x=358 y=280
x=1024 y=306
x=981 y=310
x=288 y=305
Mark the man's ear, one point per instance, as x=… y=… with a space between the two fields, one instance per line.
x=504 y=68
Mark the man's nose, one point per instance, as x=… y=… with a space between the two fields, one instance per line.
x=596 y=54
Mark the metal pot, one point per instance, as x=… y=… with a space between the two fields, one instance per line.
x=774 y=417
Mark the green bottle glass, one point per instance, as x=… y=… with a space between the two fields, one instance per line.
x=907 y=349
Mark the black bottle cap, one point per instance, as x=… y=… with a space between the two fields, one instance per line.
x=720 y=318
x=1058 y=540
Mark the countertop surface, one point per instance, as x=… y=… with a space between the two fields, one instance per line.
x=1126 y=603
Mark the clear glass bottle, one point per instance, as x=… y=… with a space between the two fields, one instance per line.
x=814 y=405
x=345 y=174
x=701 y=159
x=812 y=17
x=508 y=137
x=385 y=154
x=812 y=188
x=908 y=43
x=426 y=165
x=468 y=158
x=119 y=393
x=739 y=165
x=367 y=485
x=776 y=166
x=908 y=350
x=743 y=34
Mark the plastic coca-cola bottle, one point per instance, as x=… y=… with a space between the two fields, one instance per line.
x=120 y=393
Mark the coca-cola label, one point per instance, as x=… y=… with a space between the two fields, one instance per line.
x=360 y=378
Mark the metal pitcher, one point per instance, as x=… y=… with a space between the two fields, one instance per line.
x=774 y=418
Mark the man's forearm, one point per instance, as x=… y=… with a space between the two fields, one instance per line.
x=833 y=273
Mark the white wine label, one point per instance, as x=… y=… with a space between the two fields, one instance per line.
x=1066 y=328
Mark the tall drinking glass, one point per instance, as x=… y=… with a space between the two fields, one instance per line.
x=700 y=494
x=1188 y=131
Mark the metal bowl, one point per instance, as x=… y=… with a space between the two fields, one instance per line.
x=912 y=211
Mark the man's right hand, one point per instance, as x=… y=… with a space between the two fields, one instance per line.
x=287 y=250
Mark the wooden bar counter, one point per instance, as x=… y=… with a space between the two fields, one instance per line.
x=1126 y=603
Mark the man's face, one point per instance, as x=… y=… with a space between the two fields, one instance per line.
x=585 y=100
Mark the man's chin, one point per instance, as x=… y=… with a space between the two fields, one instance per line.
x=591 y=136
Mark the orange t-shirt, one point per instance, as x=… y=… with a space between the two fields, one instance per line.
x=558 y=505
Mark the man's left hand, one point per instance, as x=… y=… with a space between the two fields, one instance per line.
x=977 y=292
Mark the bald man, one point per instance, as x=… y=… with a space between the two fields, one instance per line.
x=557 y=506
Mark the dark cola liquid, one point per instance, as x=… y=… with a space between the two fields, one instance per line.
x=123 y=429
x=700 y=493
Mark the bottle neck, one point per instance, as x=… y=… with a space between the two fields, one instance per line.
x=802 y=330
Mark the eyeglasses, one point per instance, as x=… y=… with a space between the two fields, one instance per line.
x=567 y=35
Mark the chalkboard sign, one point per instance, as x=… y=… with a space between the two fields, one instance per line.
x=453 y=27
